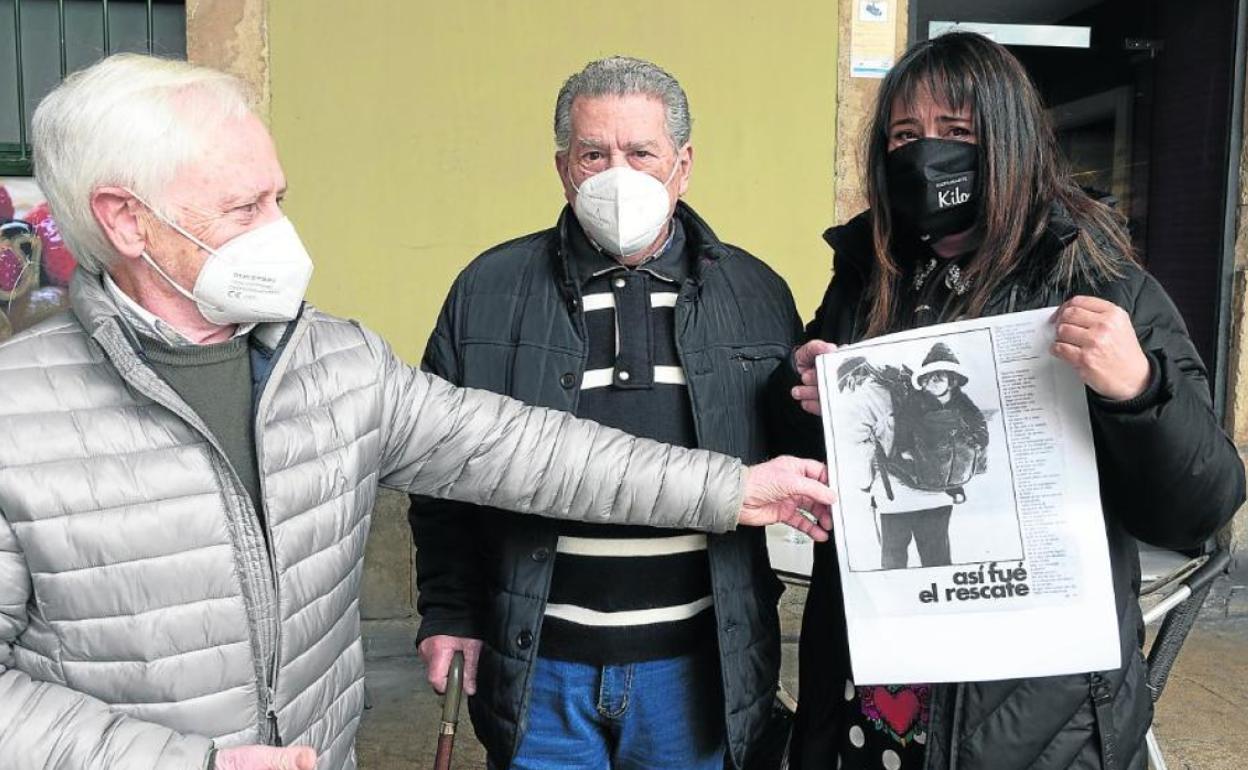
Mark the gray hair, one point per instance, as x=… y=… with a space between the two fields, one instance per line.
x=127 y=121
x=620 y=76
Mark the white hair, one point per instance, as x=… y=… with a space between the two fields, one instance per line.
x=127 y=121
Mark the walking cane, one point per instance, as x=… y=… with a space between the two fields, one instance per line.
x=450 y=712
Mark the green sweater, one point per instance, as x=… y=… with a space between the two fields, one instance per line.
x=215 y=381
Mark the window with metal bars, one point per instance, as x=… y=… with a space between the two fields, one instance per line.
x=51 y=38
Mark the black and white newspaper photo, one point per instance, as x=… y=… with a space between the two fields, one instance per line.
x=969 y=528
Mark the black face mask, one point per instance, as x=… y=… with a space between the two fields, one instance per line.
x=932 y=186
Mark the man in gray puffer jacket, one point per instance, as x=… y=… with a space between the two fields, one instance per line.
x=189 y=459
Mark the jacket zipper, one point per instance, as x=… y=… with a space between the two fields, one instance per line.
x=682 y=318
x=275 y=373
x=188 y=415
x=274 y=738
x=745 y=359
x=684 y=298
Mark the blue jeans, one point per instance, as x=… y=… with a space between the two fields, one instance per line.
x=642 y=716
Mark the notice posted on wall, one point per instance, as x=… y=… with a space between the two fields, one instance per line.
x=872 y=39
x=969 y=529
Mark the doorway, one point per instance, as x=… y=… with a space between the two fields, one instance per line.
x=1145 y=98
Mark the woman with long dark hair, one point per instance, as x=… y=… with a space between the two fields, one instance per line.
x=974 y=213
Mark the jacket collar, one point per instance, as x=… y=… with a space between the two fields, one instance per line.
x=854 y=250
x=851 y=244
x=700 y=241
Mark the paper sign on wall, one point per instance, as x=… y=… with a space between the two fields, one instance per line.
x=873 y=38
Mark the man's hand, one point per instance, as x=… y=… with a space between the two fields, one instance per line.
x=1095 y=336
x=778 y=490
x=437 y=651
x=807 y=394
x=265 y=758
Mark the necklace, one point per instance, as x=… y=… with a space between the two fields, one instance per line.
x=920 y=275
x=954 y=282
x=953 y=277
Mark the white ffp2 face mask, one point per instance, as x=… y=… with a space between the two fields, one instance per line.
x=623 y=209
x=258 y=277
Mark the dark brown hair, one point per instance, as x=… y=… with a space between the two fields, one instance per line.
x=1021 y=175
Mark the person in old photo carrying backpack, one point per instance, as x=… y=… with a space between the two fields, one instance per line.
x=946 y=435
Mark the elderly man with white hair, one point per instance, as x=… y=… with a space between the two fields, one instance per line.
x=189 y=458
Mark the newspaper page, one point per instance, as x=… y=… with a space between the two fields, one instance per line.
x=969 y=528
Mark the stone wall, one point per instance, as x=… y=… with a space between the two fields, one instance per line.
x=389 y=579
x=232 y=35
x=1237 y=376
x=855 y=102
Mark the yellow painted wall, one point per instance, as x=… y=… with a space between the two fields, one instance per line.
x=416 y=134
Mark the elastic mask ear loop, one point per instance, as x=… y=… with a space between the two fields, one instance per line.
x=177 y=228
x=176 y=286
x=672 y=175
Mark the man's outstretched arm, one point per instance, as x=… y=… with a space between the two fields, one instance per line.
x=488 y=449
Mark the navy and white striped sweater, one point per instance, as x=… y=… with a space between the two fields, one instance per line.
x=628 y=594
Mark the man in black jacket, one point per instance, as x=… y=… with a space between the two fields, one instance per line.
x=612 y=647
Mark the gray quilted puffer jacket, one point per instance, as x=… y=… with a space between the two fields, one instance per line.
x=143 y=616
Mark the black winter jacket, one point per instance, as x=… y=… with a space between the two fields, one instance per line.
x=1169 y=476
x=512 y=324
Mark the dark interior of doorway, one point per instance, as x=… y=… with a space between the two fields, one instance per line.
x=1144 y=114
